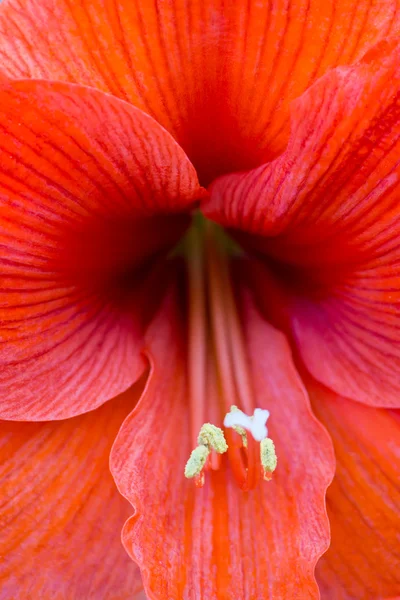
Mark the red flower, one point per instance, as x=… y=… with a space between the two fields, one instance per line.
x=111 y=114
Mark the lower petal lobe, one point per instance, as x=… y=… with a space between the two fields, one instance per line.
x=363 y=502
x=60 y=511
x=218 y=541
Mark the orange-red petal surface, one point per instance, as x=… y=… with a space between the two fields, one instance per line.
x=363 y=501
x=219 y=542
x=60 y=512
x=218 y=75
x=87 y=183
x=326 y=213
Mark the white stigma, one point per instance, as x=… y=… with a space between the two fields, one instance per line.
x=256 y=424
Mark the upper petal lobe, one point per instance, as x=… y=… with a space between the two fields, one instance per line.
x=325 y=214
x=218 y=75
x=91 y=188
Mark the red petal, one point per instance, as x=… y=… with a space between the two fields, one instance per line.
x=363 y=501
x=218 y=75
x=217 y=541
x=60 y=511
x=326 y=213
x=84 y=176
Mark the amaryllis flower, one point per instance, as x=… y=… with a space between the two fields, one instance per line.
x=199 y=210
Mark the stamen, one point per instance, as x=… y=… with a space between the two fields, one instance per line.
x=265 y=457
x=268 y=457
x=218 y=369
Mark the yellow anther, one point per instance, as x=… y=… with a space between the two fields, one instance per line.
x=268 y=457
x=196 y=461
x=212 y=437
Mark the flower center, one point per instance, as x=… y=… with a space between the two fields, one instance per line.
x=220 y=385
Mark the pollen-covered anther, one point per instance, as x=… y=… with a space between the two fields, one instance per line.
x=196 y=462
x=268 y=457
x=210 y=438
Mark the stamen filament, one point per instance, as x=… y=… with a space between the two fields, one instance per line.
x=235 y=454
x=217 y=292
x=213 y=404
x=197 y=342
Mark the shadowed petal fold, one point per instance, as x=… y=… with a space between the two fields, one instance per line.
x=325 y=215
x=218 y=75
x=218 y=541
x=60 y=511
x=88 y=191
x=363 y=502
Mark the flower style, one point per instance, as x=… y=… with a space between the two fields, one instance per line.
x=199 y=211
